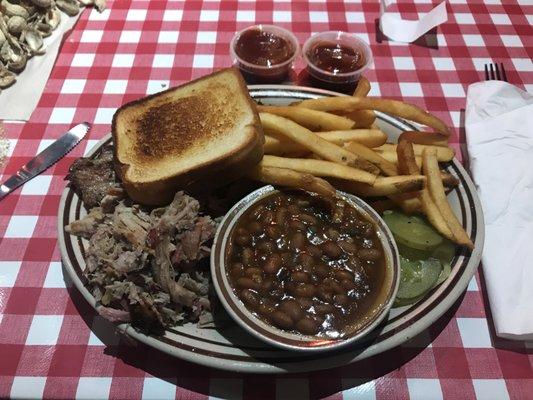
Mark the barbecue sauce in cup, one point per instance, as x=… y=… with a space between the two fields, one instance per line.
x=335 y=61
x=263 y=48
x=335 y=57
x=264 y=53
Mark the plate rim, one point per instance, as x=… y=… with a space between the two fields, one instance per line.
x=334 y=360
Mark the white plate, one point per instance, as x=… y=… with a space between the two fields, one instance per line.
x=232 y=348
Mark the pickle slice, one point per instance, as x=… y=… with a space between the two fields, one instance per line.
x=444 y=274
x=418 y=277
x=405 y=302
x=412 y=231
x=444 y=252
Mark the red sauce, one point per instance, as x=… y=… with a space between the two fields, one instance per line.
x=336 y=58
x=263 y=48
x=306 y=79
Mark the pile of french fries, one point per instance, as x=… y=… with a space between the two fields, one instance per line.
x=333 y=142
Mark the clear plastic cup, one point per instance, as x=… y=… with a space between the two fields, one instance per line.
x=271 y=73
x=340 y=38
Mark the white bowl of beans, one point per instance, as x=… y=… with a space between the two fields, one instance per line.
x=303 y=272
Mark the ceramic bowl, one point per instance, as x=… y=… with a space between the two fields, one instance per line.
x=289 y=340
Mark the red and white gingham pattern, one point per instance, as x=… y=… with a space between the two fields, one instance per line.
x=51 y=343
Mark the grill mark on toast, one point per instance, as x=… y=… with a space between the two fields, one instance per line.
x=170 y=128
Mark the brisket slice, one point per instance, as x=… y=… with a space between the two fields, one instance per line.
x=91 y=178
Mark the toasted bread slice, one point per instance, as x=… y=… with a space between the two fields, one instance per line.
x=206 y=132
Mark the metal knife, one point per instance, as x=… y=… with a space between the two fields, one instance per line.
x=45 y=159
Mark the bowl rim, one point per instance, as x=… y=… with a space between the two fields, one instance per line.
x=287 y=34
x=277 y=337
x=313 y=69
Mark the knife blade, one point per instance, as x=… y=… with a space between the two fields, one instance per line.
x=45 y=159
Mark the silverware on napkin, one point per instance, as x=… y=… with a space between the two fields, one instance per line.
x=45 y=159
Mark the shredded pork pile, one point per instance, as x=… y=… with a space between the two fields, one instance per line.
x=147 y=267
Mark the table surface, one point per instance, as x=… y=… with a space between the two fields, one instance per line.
x=53 y=345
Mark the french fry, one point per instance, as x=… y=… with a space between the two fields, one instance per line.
x=444 y=154
x=436 y=191
x=408 y=202
x=392 y=157
x=427 y=138
x=434 y=215
x=361 y=118
x=294 y=179
x=363 y=87
x=393 y=107
x=383 y=186
x=387 y=167
x=407 y=165
x=406 y=159
x=319 y=168
x=367 y=137
x=329 y=151
x=311 y=119
x=448 y=180
x=275 y=146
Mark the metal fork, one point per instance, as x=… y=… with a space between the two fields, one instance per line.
x=492 y=72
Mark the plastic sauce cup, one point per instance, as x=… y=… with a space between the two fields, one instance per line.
x=336 y=60
x=264 y=53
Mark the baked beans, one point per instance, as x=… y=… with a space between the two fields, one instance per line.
x=304 y=264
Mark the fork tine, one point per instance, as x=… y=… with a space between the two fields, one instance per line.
x=497 y=72
x=504 y=75
x=487 y=72
x=492 y=77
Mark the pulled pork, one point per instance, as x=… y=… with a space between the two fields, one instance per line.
x=148 y=268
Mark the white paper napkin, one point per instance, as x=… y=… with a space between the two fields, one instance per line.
x=403 y=30
x=18 y=101
x=499 y=133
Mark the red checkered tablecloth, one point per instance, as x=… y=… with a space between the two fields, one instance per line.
x=53 y=345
